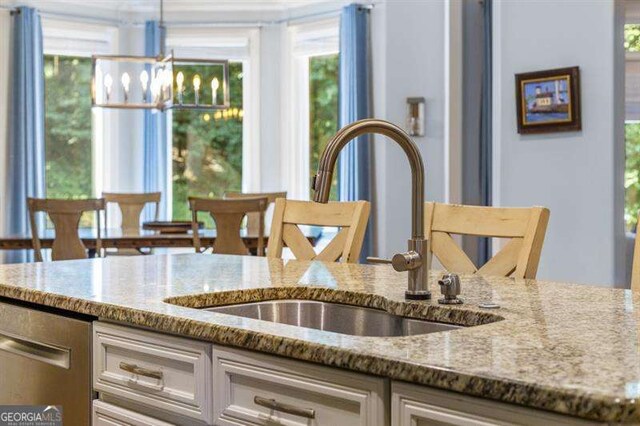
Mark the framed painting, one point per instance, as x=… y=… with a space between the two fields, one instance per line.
x=549 y=101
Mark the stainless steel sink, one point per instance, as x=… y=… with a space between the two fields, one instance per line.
x=335 y=317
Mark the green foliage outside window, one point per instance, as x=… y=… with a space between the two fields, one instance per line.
x=323 y=109
x=67 y=127
x=632 y=37
x=632 y=142
x=67 y=131
x=207 y=147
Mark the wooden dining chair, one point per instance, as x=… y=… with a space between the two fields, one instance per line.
x=519 y=258
x=65 y=215
x=253 y=219
x=131 y=206
x=228 y=216
x=350 y=217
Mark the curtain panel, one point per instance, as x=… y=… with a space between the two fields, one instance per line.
x=26 y=167
x=156 y=142
x=355 y=100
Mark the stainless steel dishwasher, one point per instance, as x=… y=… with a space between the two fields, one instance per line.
x=45 y=359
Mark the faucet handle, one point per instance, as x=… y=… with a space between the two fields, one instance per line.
x=378 y=260
x=401 y=262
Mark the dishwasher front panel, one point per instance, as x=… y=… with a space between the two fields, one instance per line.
x=45 y=359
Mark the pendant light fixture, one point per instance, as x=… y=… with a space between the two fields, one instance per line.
x=159 y=83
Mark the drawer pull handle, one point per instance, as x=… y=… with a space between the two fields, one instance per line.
x=141 y=371
x=272 y=404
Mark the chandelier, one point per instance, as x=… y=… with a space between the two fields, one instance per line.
x=159 y=83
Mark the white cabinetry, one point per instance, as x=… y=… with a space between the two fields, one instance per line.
x=156 y=370
x=413 y=405
x=256 y=389
x=152 y=379
x=105 y=414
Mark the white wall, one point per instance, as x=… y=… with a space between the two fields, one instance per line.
x=577 y=175
x=408 y=60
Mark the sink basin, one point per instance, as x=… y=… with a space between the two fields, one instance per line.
x=335 y=317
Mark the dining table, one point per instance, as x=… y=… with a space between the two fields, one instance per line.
x=116 y=238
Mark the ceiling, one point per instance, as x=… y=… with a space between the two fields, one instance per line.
x=136 y=11
x=146 y=6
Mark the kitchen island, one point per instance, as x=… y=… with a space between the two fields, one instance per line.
x=562 y=348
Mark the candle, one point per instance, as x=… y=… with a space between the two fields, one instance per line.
x=108 y=83
x=167 y=83
x=125 y=80
x=196 y=87
x=144 y=81
x=180 y=81
x=215 y=84
x=155 y=90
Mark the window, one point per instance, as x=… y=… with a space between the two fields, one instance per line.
x=323 y=110
x=68 y=145
x=311 y=99
x=632 y=126
x=216 y=151
x=76 y=159
x=207 y=147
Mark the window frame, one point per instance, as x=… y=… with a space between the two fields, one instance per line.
x=236 y=45
x=303 y=41
x=71 y=38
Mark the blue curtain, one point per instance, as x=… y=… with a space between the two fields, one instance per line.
x=156 y=171
x=355 y=104
x=486 y=114
x=26 y=142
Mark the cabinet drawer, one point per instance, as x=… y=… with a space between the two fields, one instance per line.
x=413 y=405
x=257 y=389
x=105 y=414
x=153 y=369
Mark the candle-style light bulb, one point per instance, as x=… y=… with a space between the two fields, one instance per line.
x=215 y=84
x=180 y=82
x=196 y=87
x=144 y=81
x=126 y=81
x=167 y=83
x=155 y=90
x=108 y=84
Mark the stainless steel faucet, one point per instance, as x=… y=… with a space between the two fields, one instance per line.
x=416 y=259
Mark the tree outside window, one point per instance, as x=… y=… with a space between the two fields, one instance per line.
x=632 y=142
x=207 y=147
x=323 y=110
x=68 y=127
x=68 y=147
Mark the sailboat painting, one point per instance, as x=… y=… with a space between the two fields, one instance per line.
x=548 y=101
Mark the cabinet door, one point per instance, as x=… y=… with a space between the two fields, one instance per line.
x=413 y=405
x=256 y=389
x=160 y=371
x=105 y=414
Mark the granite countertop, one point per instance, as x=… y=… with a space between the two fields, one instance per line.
x=565 y=348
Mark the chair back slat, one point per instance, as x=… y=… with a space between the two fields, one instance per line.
x=228 y=216
x=254 y=218
x=65 y=216
x=350 y=217
x=526 y=228
x=131 y=206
